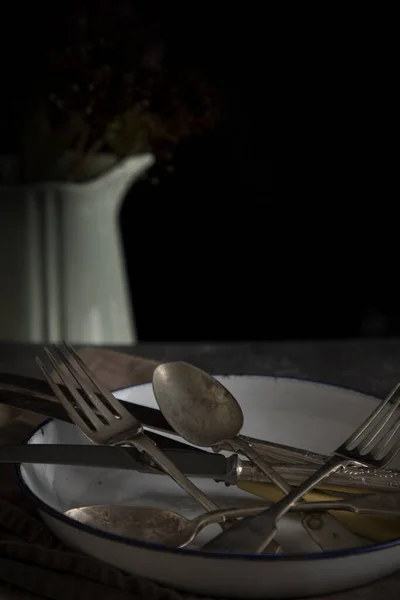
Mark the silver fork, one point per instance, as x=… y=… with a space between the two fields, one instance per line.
x=104 y=420
x=253 y=534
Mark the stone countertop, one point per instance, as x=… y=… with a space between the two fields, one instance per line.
x=367 y=365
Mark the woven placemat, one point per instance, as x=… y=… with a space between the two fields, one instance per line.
x=35 y=565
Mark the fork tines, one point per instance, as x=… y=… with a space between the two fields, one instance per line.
x=377 y=437
x=92 y=396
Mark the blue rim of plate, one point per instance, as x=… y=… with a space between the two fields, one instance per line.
x=55 y=514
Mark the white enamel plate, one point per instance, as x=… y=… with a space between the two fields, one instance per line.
x=308 y=415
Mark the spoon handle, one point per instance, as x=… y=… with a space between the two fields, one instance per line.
x=145 y=444
x=240 y=445
x=223 y=514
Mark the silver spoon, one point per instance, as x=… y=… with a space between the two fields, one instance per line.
x=154 y=525
x=163 y=526
x=202 y=411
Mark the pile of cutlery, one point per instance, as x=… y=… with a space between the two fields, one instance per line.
x=129 y=436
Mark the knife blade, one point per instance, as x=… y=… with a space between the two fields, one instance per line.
x=35 y=395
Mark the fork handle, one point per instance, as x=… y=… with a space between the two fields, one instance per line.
x=253 y=534
x=144 y=443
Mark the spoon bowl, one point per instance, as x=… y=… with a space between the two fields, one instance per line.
x=152 y=524
x=143 y=523
x=197 y=406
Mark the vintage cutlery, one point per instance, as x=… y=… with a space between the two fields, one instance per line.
x=35 y=395
x=192 y=461
x=375 y=443
x=110 y=423
x=162 y=526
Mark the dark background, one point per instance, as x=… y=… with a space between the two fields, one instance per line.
x=215 y=251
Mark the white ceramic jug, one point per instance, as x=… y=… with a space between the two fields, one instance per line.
x=62 y=273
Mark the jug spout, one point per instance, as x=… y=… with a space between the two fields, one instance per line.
x=120 y=176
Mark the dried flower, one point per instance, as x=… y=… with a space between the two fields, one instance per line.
x=128 y=100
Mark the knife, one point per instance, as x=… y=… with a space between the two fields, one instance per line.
x=34 y=395
x=193 y=462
